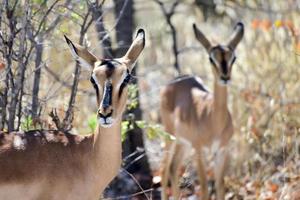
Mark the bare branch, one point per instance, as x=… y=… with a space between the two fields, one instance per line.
x=56 y=20
x=168 y=16
x=65 y=83
x=45 y=17
x=117 y=21
x=20 y=74
x=68 y=119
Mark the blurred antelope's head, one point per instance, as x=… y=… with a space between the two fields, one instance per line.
x=110 y=78
x=221 y=57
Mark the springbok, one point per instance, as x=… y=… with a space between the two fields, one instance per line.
x=61 y=166
x=199 y=118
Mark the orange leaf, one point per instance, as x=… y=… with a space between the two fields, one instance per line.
x=2 y=66
x=289 y=24
x=273 y=187
x=255 y=23
x=297 y=47
x=266 y=24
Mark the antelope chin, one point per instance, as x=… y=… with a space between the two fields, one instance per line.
x=106 y=122
x=224 y=82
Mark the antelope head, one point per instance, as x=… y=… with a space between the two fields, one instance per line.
x=110 y=77
x=221 y=57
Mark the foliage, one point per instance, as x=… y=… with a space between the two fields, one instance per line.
x=153 y=131
x=92 y=123
x=27 y=124
x=132 y=96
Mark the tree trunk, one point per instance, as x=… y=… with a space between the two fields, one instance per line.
x=103 y=36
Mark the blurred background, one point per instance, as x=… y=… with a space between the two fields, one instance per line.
x=264 y=95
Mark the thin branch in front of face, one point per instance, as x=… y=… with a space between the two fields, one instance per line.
x=117 y=21
x=103 y=37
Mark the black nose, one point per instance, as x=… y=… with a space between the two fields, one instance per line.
x=104 y=116
x=225 y=78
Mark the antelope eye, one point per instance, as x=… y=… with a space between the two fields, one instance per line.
x=233 y=60
x=211 y=60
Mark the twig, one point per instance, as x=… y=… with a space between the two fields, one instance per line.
x=20 y=74
x=136 y=181
x=128 y=196
x=168 y=16
x=55 y=119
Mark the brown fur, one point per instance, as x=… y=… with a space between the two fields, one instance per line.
x=51 y=165
x=64 y=148
x=199 y=119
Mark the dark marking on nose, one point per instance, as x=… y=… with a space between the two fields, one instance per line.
x=110 y=67
x=225 y=78
x=224 y=65
x=107 y=99
x=105 y=116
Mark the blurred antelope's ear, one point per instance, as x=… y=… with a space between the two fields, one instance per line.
x=81 y=54
x=236 y=36
x=201 y=38
x=135 y=49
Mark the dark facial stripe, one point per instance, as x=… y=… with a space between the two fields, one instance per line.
x=224 y=65
x=125 y=82
x=109 y=67
x=95 y=86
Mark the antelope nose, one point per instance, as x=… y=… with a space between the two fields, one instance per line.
x=105 y=112
x=225 y=78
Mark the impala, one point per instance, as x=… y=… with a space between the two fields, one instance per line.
x=199 y=118
x=41 y=165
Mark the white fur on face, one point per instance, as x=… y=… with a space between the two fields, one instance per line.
x=223 y=82
x=106 y=123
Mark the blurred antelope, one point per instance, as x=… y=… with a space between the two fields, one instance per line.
x=196 y=116
x=61 y=166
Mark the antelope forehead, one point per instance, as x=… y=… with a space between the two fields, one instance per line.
x=221 y=56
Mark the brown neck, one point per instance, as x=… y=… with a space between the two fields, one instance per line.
x=107 y=146
x=220 y=100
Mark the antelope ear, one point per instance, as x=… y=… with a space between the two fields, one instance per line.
x=135 y=49
x=236 y=36
x=201 y=38
x=81 y=54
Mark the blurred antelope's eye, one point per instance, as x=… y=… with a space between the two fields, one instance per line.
x=233 y=60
